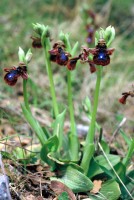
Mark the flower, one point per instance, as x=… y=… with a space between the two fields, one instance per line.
x=125 y=96
x=90 y=31
x=58 y=54
x=14 y=73
x=36 y=43
x=101 y=53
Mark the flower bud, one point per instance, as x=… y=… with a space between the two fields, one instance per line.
x=28 y=56
x=21 y=55
x=109 y=35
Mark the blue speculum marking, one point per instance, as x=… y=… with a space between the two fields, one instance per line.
x=11 y=75
x=63 y=57
x=102 y=56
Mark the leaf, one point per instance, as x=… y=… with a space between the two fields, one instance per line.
x=34 y=125
x=97 y=37
x=89 y=152
x=121 y=171
x=74 y=49
x=51 y=145
x=60 y=188
x=57 y=158
x=75 y=179
x=130 y=153
x=100 y=160
x=119 y=168
x=125 y=137
x=58 y=127
x=63 y=196
x=105 y=146
x=87 y=105
x=110 y=189
x=46 y=132
x=129 y=183
x=114 y=159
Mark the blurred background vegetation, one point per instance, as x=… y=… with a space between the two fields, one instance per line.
x=16 y=29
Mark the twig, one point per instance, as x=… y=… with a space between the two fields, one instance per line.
x=118 y=128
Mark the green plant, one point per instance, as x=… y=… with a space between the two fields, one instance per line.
x=93 y=161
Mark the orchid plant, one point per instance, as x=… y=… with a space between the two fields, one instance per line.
x=79 y=163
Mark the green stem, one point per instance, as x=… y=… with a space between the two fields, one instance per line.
x=74 y=144
x=89 y=143
x=50 y=75
x=70 y=102
x=25 y=95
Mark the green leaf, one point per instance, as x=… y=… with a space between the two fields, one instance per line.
x=63 y=196
x=51 y=145
x=87 y=105
x=74 y=49
x=114 y=159
x=110 y=190
x=105 y=146
x=121 y=171
x=58 y=127
x=55 y=156
x=75 y=179
x=46 y=132
x=34 y=125
x=125 y=137
x=97 y=37
x=129 y=155
x=129 y=183
x=100 y=160
x=89 y=152
x=19 y=153
x=6 y=155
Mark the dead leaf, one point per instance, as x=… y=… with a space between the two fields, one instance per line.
x=31 y=197
x=39 y=168
x=59 y=187
x=97 y=186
